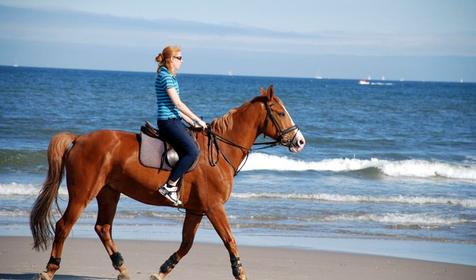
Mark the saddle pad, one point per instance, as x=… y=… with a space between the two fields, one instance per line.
x=158 y=154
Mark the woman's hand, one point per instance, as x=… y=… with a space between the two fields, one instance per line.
x=200 y=123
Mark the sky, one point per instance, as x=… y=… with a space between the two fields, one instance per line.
x=396 y=40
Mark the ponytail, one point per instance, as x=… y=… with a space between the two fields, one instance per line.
x=165 y=57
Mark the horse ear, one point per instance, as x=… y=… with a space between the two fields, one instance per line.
x=270 y=92
x=263 y=93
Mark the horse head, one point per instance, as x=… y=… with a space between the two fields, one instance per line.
x=278 y=123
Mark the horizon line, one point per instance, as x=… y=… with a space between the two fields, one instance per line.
x=245 y=75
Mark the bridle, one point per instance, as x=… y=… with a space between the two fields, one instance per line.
x=281 y=132
x=214 y=138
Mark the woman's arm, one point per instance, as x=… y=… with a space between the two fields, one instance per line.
x=188 y=115
x=188 y=119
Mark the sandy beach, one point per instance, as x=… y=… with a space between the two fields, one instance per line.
x=86 y=259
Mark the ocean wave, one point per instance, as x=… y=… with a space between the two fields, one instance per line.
x=14 y=213
x=420 y=220
x=11 y=189
x=23 y=160
x=412 y=220
x=130 y=214
x=16 y=189
x=36 y=161
x=401 y=168
x=467 y=203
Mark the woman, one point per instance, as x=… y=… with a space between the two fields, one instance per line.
x=170 y=112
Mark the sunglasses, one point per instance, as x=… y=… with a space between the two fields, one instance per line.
x=178 y=57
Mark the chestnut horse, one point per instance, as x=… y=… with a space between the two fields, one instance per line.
x=103 y=164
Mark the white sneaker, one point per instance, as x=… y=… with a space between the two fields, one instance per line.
x=170 y=192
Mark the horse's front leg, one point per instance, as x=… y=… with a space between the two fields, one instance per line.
x=219 y=220
x=190 y=227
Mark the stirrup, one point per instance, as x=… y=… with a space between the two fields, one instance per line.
x=171 y=193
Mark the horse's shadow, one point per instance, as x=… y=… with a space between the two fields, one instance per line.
x=29 y=276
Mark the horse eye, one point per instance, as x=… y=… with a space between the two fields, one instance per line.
x=281 y=114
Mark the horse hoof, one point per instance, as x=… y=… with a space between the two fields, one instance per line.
x=157 y=276
x=44 y=276
x=123 y=276
x=123 y=273
x=241 y=277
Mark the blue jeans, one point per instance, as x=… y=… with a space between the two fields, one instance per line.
x=174 y=132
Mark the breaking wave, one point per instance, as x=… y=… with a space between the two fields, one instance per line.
x=402 y=168
x=24 y=189
x=467 y=203
x=13 y=189
x=420 y=220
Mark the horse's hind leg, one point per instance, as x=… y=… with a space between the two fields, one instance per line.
x=107 y=204
x=62 y=230
x=190 y=227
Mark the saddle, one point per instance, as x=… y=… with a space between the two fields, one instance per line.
x=156 y=152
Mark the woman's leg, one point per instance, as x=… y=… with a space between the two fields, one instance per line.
x=176 y=135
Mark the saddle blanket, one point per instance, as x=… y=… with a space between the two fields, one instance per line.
x=155 y=152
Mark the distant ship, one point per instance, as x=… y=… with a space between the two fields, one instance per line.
x=365 y=82
x=368 y=82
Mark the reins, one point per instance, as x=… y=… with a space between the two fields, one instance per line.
x=214 y=138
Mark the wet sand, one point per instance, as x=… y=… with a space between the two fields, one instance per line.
x=87 y=259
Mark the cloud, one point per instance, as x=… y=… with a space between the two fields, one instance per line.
x=85 y=40
x=104 y=30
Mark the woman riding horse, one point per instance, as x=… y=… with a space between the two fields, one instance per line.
x=115 y=169
x=170 y=112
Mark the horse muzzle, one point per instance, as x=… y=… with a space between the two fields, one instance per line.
x=298 y=143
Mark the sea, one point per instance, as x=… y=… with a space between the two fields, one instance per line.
x=388 y=169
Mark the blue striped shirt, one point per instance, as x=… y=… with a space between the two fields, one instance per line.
x=165 y=107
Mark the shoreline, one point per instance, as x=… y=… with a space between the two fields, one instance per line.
x=85 y=258
x=411 y=249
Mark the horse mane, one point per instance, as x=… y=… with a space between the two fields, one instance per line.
x=225 y=122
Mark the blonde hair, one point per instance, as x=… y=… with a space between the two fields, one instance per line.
x=165 y=57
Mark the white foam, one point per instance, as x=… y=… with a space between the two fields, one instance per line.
x=423 y=220
x=468 y=203
x=18 y=189
x=24 y=189
x=14 y=213
x=470 y=158
x=402 y=168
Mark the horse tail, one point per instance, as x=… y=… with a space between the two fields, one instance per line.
x=41 y=223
